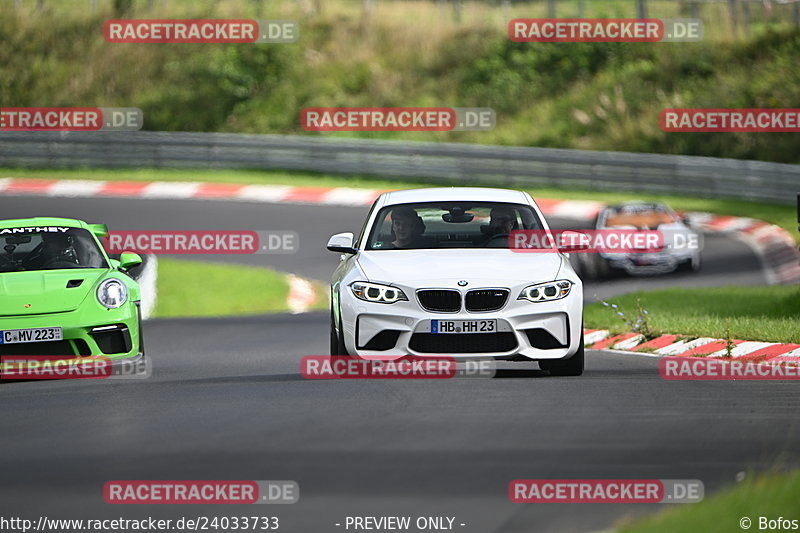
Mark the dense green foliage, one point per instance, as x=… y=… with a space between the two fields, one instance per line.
x=605 y=96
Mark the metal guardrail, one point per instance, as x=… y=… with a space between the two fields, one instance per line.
x=446 y=163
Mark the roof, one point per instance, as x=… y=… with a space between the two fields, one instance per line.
x=43 y=221
x=454 y=194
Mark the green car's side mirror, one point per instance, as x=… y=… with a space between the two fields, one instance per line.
x=129 y=259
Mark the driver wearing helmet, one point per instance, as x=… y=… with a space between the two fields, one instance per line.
x=54 y=248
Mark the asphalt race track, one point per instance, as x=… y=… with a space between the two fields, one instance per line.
x=226 y=401
x=726 y=260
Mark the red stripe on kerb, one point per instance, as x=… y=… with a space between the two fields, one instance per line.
x=720 y=222
x=769 y=352
x=753 y=227
x=307 y=194
x=123 y=188
x=547 y=205
x=30 y=185
x=218 y=190
x=705 y=349
x=611 y=341
x=659 y=342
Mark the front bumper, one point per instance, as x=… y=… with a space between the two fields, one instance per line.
x=645 y=264
x=534 y=331
x=112 y=333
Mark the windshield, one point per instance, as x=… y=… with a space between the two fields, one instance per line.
x=640 y=216
x=48 y=248
x=449 y=225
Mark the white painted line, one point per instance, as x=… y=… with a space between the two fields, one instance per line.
x=740 y=223
x=627 y=344
x=743 y=349
x=4 y=183
x=264 y=193
x=301 y=294
x=683 y=346
x=169 y=189
x=75 y=188
x=347 y=196
x=576 y=209
x=595 y=336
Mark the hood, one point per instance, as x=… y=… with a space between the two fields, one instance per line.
x=446 y=267
x=45 y=291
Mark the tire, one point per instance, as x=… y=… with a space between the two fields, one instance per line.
x=691 y=265
x=337 y=347
x=602 y=270
x=569 y=367
x=585 y=266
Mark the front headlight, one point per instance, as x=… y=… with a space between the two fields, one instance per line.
x=546 y=292
x=112 y=293
x=377 y=293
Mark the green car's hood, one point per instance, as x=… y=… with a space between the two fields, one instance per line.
x=45 y=291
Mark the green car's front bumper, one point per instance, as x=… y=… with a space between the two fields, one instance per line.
x=87 y=331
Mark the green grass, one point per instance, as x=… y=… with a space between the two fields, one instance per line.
x=194 y=288
x=782 y=215
x=751 y=313
x=770 y=496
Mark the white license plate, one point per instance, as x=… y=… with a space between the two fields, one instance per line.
x=16 y=336
x=463 y=326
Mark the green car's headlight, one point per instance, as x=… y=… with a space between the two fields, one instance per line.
x=112 y=293
x=545 y=292
x=377 y=293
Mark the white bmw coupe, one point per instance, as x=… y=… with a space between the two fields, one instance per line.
x=433 y=274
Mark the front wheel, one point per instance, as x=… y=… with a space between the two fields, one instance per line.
x=570 y=367
x=337 y=347
x=691 y=265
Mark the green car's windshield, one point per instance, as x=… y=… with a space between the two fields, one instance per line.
x=48 y=248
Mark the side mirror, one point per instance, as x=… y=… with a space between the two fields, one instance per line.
x=572 y=241
x=129 y=259
x=342 y=243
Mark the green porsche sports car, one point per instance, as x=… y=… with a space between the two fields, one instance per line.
x=61 y=294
